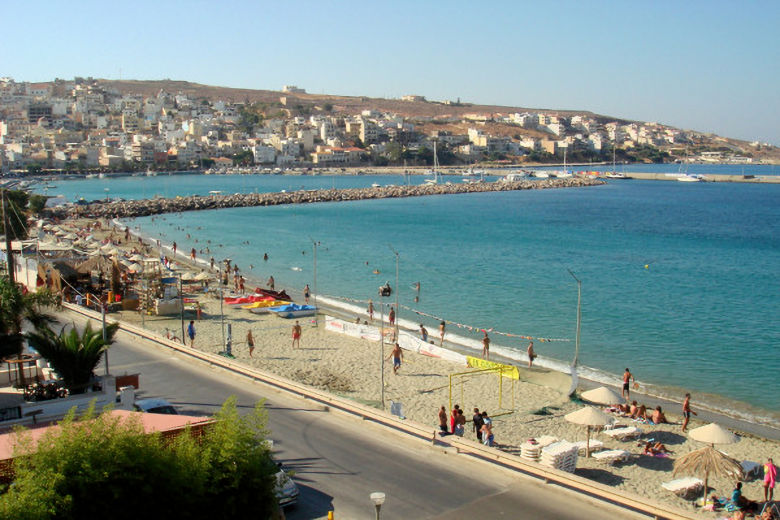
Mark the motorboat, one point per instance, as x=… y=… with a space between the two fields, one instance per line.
x=616 y=175
x=690 y=178
x=294 y=311
x=539 y=174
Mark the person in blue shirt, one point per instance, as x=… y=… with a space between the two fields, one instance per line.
x=191 y=333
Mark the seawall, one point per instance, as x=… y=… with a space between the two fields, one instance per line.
x=141 y=208
x=707 y=177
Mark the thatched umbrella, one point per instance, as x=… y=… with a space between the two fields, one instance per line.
x=201 y=276
x=588 y=416
x=601 y=395
x=708 y=461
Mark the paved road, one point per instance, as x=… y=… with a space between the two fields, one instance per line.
x=339 y=460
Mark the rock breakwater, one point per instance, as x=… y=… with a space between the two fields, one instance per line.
x=146 y=207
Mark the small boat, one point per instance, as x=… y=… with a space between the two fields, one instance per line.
x=276 y=295
x=616 y=175
x=690 y=178
x=243 y=300
x=265 y=305
x=540 y=174
x=514 y=177
x=294 y=311
x=375 y=185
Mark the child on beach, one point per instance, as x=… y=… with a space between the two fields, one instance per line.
x=296 y=334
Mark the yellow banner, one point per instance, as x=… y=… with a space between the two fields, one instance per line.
x=506 y=370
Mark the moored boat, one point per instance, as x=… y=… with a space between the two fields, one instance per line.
x=294 y=311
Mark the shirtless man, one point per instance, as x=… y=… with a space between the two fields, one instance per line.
x=687 y=411
x=441 y=333
x=485 y=346
x=627 y=376
x=443 y=421
x=531 y=354
x=398 y=355
x=296 y=334
x=423 y=333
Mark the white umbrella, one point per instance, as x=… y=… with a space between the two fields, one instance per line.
x=712 y=434
x=189 y=275
x=201 y=276
x=136 y=258
x=602 y=395
x=71 y=236
x=588 y=416
x=135 y=268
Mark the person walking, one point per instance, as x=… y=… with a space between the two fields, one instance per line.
x=391 y=316
x=531 y=354
x=271 y=282
x=191 y=333
x=398 y=355
x=423 y=333
x=250 y=341
x=686 y=410
x=770 y=477
x=296 y=334
x=306 y=294
x=370 y=310
x=441 y=333
x=478 y=422
x=485 y=346
x=627 y=378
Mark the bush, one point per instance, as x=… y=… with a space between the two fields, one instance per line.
x=99 y=466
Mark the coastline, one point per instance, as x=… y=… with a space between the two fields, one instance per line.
x=726 y=411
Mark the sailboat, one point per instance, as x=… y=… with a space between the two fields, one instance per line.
x=615 y=174
x=683 y=175
x=564 y=174
x=435 y=171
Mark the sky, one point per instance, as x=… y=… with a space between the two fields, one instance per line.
x=711 y=66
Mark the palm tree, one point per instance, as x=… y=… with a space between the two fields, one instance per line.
x=74 y=356
x=16 y=307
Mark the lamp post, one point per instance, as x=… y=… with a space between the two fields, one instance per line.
x=314 y=244
x=378 y=498
x=397 y=289
x=577 y=337
x=103 y=319
x=382 y=352
x=221 y=312
x=181 y=309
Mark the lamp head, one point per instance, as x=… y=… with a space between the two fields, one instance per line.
x=377 y=498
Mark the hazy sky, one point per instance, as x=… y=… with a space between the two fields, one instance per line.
x=712 y=66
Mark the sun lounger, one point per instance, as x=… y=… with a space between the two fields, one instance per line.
x=595 y=445
x=688 y=487
x=545 y=440
x=751 y=469
x=612 y=456
x=622 y=434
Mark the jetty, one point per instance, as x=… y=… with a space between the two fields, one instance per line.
x=707 y=177
x=156 y=206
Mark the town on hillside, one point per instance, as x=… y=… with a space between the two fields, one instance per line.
x=85 y=124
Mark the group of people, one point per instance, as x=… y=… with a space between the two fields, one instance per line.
x=482 y=424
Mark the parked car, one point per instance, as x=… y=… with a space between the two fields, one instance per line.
x=286 y=490
x=155 y=405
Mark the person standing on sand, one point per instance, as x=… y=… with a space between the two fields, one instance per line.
x=250 y=341
x=211 y=263
x=453 y=416
x=192 y=254
x=441 y=333
x=271 y=282
x=306 y=294
x=627 y=377
x=460 y=424
x=174 y=249
x=391 y=316
x=686 y=411
x=770 y=477
x=191 y=333
x=370 y=310
x=531 y=354
x=485 y=346
x=477 y=420
x=443 y=421
x=398 y=355
x=423 y=333
x=296 y=334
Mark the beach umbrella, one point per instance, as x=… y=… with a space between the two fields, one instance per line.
x=708 y=461
x=601 y=395
x=201 y=276
x=188 y=276
x=713 y=434
x=137 y=258
x=588 y=416
x=135 y=268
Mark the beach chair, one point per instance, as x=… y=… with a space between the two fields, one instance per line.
x=687 y=487
x=751 y=469
x=595 y=445
x=622 y=434
x=611 y=457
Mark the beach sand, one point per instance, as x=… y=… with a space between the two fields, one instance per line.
x=350 y=367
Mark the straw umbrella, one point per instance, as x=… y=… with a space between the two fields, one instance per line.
x=602 y=395
x=588 y=416
x=202 y=276
x=708 y=461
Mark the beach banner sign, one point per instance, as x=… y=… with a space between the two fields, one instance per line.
x=507 y=370
x=354 y=330
x=409 y=342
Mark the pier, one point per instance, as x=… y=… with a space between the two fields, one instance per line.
x=146 y=207
x=707 y=177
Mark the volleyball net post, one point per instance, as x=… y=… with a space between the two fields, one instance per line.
x=500 y=370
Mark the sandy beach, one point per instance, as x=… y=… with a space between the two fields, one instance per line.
x=351 y=367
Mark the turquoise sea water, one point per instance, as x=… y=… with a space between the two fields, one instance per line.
x=701 y=317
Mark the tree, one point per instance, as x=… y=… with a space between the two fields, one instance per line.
x=16 y=307
x=16 y=202
x=74 y=356
x=37 y=203
x=100 y=466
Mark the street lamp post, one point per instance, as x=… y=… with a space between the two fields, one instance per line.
x=382 y=352
x=397 y=290
x=221 y=311
x=378 y=498
x=181 y=309
x=314 y=243
x=103 y=319
x=577 y=337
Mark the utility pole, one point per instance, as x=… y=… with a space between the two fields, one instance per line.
x=9 y=252
x=382 y=351
x=577 y=337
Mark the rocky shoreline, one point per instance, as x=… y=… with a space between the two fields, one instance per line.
x=146 y=207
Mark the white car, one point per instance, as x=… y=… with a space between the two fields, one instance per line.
x=155 y=405
x=286 y=490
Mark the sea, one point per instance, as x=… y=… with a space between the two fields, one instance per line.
x=680 y=282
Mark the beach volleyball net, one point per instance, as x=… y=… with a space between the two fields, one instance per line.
x=463 y=385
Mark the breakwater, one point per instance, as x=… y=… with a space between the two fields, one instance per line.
x=156 y=206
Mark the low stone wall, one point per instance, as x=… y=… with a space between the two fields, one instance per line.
x=141 y=208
